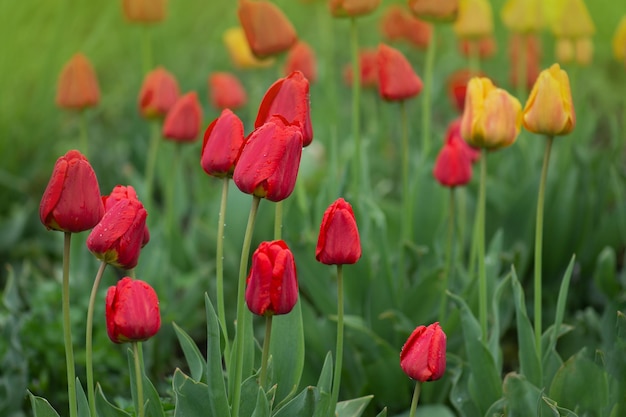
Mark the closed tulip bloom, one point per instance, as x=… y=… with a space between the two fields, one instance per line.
x=352 y=8
x=77 y=87
x=301 y=57
x=71 y=201
x=573 y=20
x=475 y=19
x=523 y=16
x=397 y=24
x=423 y=356
x=619 y=41
x=492 y=117
x=454 y=134
x=239 y=50
x=453 y=166
x=435 y=10
x=270 y=159
x=289 y=98
x=145 y=11
x=272 y=285
x=182 y=123
x=338 y=242
x=267 y=29
x=222 y=144
x=396 y=78
x=227 y=92
x=118 y=238
x=132 y=311
x=457 y=86
x=368 y=64
x=550 y=109
x=159 y=92
x=122 y=192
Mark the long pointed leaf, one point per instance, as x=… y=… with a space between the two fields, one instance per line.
x=41 y=407
x=354 y=407
x=104 y=408
x=192 y=397
x=195 y=361
x=215 y=374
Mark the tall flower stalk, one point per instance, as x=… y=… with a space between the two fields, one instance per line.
x=89 y=340
x=67 y=327
x=356 y=102
x=219 y=267
x=339 y=346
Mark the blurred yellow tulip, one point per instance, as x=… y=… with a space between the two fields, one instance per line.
x=573 y=20
x=619 y=41
x=523 y=15
x=584 y=51
x=564 y=50
x=550 y=109
x=240 y=52
x=475 y=19
x=492 y=118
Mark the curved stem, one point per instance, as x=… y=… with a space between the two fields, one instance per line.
x=138 y=380
x=241 y=316
x=416 y=397
x=426 y=94
x=153 y=151
x=278 y=220
x=67 y=327
x=266 y=350
x=482 y=273
x=339 y=348
x=356 y=93
x=449 y=256
x=539 y=244
x=219 y=268
x=84 y=135
x=89 y=340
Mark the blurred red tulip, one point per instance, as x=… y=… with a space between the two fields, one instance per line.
x=453 y=166
x=158 y=94
x=270 y=159
x=435 y=10
x=227 y=92
x=396 y=78
x=352 y=8
x=222 y=144
x=77 y=87
x=423 y=356
x=302 y=58
x=338 y=242
x=182 y=123
x=398 y=24
x=272 y=285
x=457 y=86
x=530 y=46
x=71 y=201
x=368 y=63
x=145 y=11
x=267 y=29
x=454 y=134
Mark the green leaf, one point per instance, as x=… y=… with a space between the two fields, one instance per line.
x=262 y=408
x=560 y=304
x=325 y=381
x=353 y=407
x=524 y=399
x=494 y=338
x=152 y=401
x=460 y=396
x=195 y=361
x=81 y=400
x=302 y=405
x=249 y=393
x=287 y=349
x=382 y=413
x=104 y=408
x=41 y=407
x=530 y=365
x=484 y=383
x=605 y=273
x=192 y=397
x=433 y=410
x=215 y=375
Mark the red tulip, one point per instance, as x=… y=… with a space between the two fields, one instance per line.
x=71 y=201
x=398 y=24
x=453 y=166
x=269 y=162
x=77 y=87
x=119 y=236
x=159 y=92
x=267 y=29
x=368 y=63
x=338 y=242
x=457 y=86
x=121 y=192
x=396 y=78
x=454 y=134
x=132 y=311
x=227 y=92
x=182 y=123
x=301 y=58
x=144 y=11
x=352 y=8
x=222 y=144
x=423 y=356
x=272 y=285
x=289 y=98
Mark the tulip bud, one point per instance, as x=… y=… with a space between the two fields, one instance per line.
x=550 y=109
x=492 y=117
x=423 y=356
x=119 y=193
x=398 y=24
x=368 y=64
x=435 y=10
x=267 y=29
x=222 y=144
x=71 y=201
x=453 y=166
x=240 y=52
x=619 y=41
x=289 y=98
x=301 y=58
x=573 y=20
x=475 y=19
x=396 y=78
x=145 y=11
x=159 y=92
x=182 y=123
x=272 y=285
x=523 y=16
x=352 y=8
x=132 y=311
x=269 y=162
x=77 y=87
x=338 y=242
x=227 y=92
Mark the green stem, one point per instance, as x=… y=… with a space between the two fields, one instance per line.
x=171 y=191
x=67 y=327
x=339 y=348
x=146 y=49
x=266 y=349
x=449 y=256
x=406 y=193
x=416 y=397
x=539 y=244
x=153 y=151
x=89 y=340
x=241 y=316
x=219 y=268
x=138 y=380
x=278 y=220
x=426 y=94
x=84 y=135
x=482 y=273
x=474 y=57
x=356 y=93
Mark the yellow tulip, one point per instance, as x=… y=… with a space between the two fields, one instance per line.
x=240 y=52
x=475 y=19
x=573 y=20
x=550 y=109
x=492 y=118
x=619 y=41
x=564 y=50
x=523 y=15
